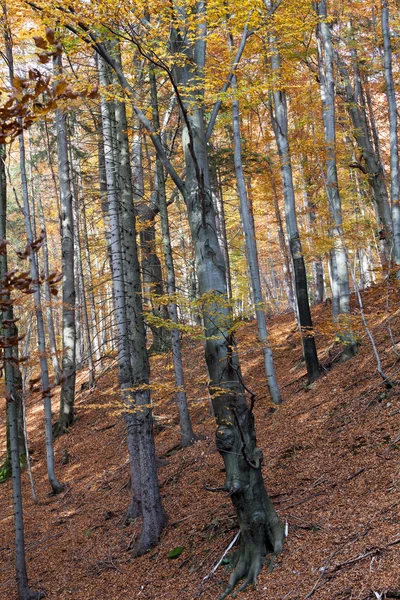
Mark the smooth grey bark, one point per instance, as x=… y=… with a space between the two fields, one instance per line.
x=77 y=208
x=261 y=529
x=252 y=254
x=394 y=140
x=317 y=263
x=47 y=292
x=339 y=272
x=279 y=119
x=55 y=485
x=94 y=324
x=371 y=164
x=132 y=354
x=67 y=398
x=150 y=263
x=187 y=434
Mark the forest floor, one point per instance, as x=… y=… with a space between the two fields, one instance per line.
x=331 y=466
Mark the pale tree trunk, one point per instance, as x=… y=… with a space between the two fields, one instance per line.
x=132 y=355
x=187 y=433
x=49 y=303
x=56 y=486
x=13 y=447
x=278 y=110
x=76 y=210
x=46 y=393
x=67 y=398
x=371 y=164
x=94 y=328
x=150 y=262
x=394 y=141
x=252 y=254
x=339 y=271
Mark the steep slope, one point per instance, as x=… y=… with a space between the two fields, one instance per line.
x=331 y=464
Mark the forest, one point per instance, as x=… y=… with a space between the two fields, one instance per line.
x=199 y=299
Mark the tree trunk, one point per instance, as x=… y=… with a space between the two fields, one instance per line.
x=371 y=163
x=66 y=415
x=278 y=109
x=55 y=485
x=394 y=141
x=187 y=434
x=49 y=304
x=260 y=526
x=132 y=355
x=339 y=272
x=252 y=254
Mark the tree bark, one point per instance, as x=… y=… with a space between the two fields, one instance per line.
x=187 y=434
x=278 y=110
x=394 y=141
x=132 y=355
x=67 y=398
x=261 y=528
x=252 y=254
x=339 y=272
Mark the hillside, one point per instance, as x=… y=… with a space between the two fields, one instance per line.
x=331 y=465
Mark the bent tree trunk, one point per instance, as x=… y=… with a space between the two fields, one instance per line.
x=261 y=528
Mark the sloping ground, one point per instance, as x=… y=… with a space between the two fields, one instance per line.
x=331 y=466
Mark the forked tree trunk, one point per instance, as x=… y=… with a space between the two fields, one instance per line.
x=261 y=529
x=370 y=164
x=132 y=355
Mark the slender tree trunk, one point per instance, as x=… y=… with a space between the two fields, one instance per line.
x=252 y=255
x=66 y=415
x=187 y=433
x=282 y=244
x=8 y=317
x=280 y=126
x=49 y=304
x=76 y=211
x=94 y=328
x=394 y=141
x=56 y=486
x=339 y=272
